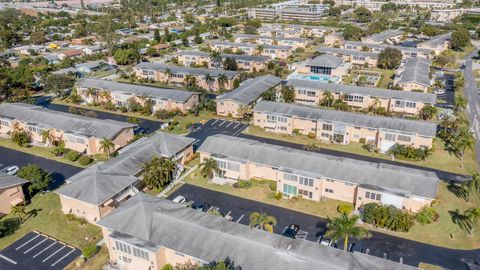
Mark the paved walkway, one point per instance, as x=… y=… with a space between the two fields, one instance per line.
x=176 y=182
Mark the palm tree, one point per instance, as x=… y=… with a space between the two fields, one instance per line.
x=168 y=73
x=462 y=141
x=471 y=186
x=47 y=136
x=376 y=104
x=328 y=99
x=19 y=211
x=222 y=80
x=158 y=172
x=345 y=227
x=263 y=220
x=107 y=146
x=259 y=50
x=208 y=167
x=209 y=80
x=216 y=58
x=473 y=216
x=92 y=92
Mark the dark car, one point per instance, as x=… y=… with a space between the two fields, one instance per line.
x=356 y=247
x=291 y=231
x=202 y=207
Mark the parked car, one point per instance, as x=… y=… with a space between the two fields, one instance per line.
x=291 y=231
x=326 y=241
x=439 y=91
x=179 y=199
x=202 y=207
x=356 y=247
x=12 y=170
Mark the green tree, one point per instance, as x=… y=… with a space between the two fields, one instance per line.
x=462 y=140
x=428 y=112
x=19 y=211
x=38 y=37
x=263 y=220
x=460 y=39
x=345 y=227
x=208 y=167
x=389 y=58
x=327 y=99
x=126 y=56
x=107 y=146
x=471 y=186
x=39 y=179
x=222 y=80
x=58 y=83
x=156 y=35
x=334 y=11
x=288 y=94
x=158 y=172
x=352 y=32
x=363 y=15
x=47 y=136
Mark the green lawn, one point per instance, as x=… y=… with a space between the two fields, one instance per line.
x=385 y=79
x=40 y=151
x=187 y=120
x=440 y=159
x=51 y=221
x=95 y=263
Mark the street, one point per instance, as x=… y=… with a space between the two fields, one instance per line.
x=394 y=248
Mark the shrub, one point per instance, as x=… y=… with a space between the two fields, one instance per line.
x=345 y=208
x=311 y=135
x=123 y=109
x=426 y=215
x=278 y=195
x=273 y=186
x=74 y=110
x=362 y=140
x=163 y=114
x=242 y=184
x=39 y=179
x=82 y=221
x=90 y=114
x=133 y=120
x=296 y=131
x=89 y=251
x=388 y=217
x=109 y=106
x=410 y=152
x=71 y=217
x=72 y=155
x=85 y=160
x=58 y=148
x=22 y=138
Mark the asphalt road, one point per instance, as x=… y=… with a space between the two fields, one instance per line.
x=216 y=126
x=59 y=171
x=394 y=248
x=147 y=126
x=473 y=108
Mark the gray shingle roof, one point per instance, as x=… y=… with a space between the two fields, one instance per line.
x=416 y=70
x=186 y=70
x=354 y=119
x=325 y=60
x=249 y=45
x=102 y=181
x=324 y=49
x=383 y=46
x=149 y=222
x=180 y=96
x=380 y=37
x=251 y=90
x=394 y=179
x=272 y=38
x=7 y=180
x=245 y=57
x=369 y=91
x=437 y=40
x=70 y=123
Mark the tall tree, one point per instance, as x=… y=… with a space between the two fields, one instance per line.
x=158 y=172
x=39 y=179
x=460 y=39
x=389 y=58
x=471 y=186
x=107 y=146
x=345 y=227
x=208 y=167
x=263 y=220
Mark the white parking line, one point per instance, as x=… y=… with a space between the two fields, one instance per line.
x=319 y=238
x=8 y=259
x=51 y=255
x=35 y=245
x=236 y=125
x=63 y=257
x=223 y=122
x=27 y=242
x=34 y=256
x=214 y=122
x=229 y=124
x=240 y=218
x=239 y=131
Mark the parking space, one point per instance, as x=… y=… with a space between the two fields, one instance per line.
x=36 y=251
x=216 y=126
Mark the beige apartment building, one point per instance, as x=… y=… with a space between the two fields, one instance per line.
x=11 y=192
x=360 y=58
x=414 y=75
x=282 y=33
x=116 y=180
x=318 y=176
x=272 y=51
x=309 y=31
x=82 y=134
x=437 y=44
x=343 y=127
x=294 y=42
x=292 y=14
x=389 y=36
x=324 y=65
x=362 y=98
x=238 y=102
x=147 y=232
x=250 y=63
x=100 y=91
x=184 y=76
x=407 y=52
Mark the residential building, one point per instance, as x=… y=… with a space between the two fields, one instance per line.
x=269 y=40
x=71 y=54
x=343 y=127
x=448 y=15
x=407 y=52
x=237 y=102
x=437 y=44
x=252 y=63
x=353 y=56
x=377 y=5
x=414 y=75
x=271 y=32
x=316 y=176
x=80 y=133
x=324 y=65
x=94 y=192
x=11 y=192
x=308 y=14
x=184 y=76
x=334 y=39
x=363 y=98
x=272 y=51
x=390 y=36
x=310 y=31
x=149 y=232
x=120 y=94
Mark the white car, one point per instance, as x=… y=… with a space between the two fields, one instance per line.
x=12 y=170
x=439 y=91
x=180 y=199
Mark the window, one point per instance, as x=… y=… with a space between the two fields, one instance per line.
x=404 y=138
x=281 y=119
x=140 y=253
x=310 y=93
x=329 y=190
x=409 y=104
x=305 y=181
x=327 y=127
x=74 y=139
x=354 y=98
x=373 y=196
x=271 y=118
x=390 y=137
x=290 y=177
x=4 y=123
x=325 y=135
x=283 y=128
x=126 y=248
x=290 y=190
x=302 y=92
x=305 y=193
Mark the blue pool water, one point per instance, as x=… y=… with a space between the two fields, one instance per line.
x=314 y=77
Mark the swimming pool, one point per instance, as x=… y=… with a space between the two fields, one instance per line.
x=314 y=77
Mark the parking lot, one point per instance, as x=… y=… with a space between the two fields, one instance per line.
x=312 y=228
x=216 y=126
x=36 y=251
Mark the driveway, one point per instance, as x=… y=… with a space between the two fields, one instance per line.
x=148 y=126
x=216 y=126
x=393 y=248
x=59 y=171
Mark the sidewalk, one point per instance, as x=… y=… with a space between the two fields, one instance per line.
x=174 y=183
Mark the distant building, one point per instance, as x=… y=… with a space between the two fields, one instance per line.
x=353 y=56
x=297 y=13
x=324 y=65
x=294 y=42
x=438 y=44
x=407 y=52
x=389 y=36
x=272 y=51
x=246 y=62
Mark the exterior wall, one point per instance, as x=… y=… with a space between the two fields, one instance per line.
x=10 y=197
x=228 y=108
x=272 y=53
x=80 y=209
x=201 y=61
x=413 y=86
